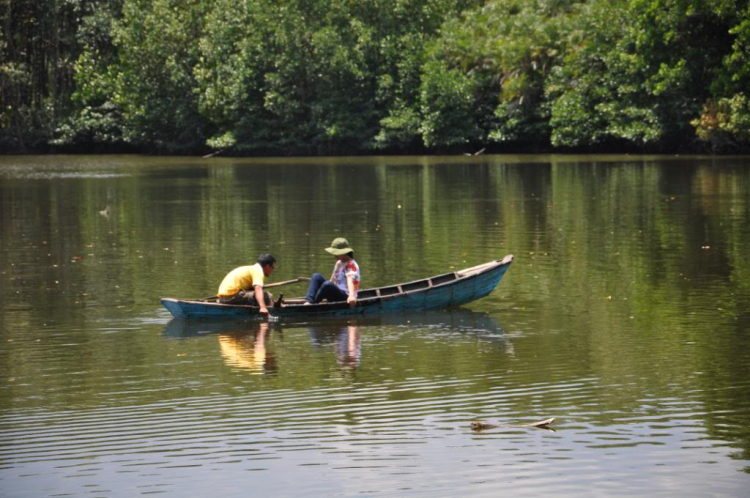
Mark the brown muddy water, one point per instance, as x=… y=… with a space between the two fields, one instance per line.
x=626 y=316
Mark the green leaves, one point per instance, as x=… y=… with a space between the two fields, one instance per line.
x=447 y=99
x=725 y=123
x=154 y=80
x=333 y=77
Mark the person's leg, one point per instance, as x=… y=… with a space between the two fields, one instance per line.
x=230 y=299
x=238 y=298
x=246 y=298
x=330 y=292
x=316 y=281
x=250 y=298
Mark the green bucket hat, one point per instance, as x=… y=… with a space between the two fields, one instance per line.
x=339 y=247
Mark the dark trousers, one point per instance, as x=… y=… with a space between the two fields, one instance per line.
x=321 y=288
x=246 y=297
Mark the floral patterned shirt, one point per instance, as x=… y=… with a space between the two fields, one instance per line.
x=344 y=269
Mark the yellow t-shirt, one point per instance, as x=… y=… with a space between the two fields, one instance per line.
x=242 y=278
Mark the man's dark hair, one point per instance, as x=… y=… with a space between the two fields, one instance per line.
x=266 y=259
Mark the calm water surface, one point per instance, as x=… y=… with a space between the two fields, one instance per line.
x=626 y=316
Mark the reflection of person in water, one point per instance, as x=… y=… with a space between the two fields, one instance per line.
x=349 y=347
x=248 y=351
x=346 y=340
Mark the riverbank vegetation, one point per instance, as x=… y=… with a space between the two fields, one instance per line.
x=315 y=77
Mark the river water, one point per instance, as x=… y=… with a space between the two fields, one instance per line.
x=626 y=316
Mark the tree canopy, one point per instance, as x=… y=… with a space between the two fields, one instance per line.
x=372 y=76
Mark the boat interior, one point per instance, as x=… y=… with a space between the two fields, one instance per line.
x=417 y=285
x=405 y=288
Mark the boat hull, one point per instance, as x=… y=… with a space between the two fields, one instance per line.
x=442 y=291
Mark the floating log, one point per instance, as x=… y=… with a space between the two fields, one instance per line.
x=542 y=423
x=479 y=425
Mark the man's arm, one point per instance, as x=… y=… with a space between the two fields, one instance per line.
x=260 y=299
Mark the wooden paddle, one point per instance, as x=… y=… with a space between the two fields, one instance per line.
x=277 y=284
x=287 y=282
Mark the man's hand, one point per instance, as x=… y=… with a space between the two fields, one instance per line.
x=260 y=298
x=352 y=301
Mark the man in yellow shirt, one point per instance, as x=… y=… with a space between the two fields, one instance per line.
x=244 y=285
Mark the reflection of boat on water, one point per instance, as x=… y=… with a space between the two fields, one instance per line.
x=438 y=292
x=182 y=329
x=243 y=343
x=452 y=321
x=447 y=324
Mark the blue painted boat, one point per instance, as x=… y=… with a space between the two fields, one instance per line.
x=441 y=291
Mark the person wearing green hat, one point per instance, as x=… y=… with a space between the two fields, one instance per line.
x=344 y=282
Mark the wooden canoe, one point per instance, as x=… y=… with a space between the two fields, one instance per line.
x=441 y=291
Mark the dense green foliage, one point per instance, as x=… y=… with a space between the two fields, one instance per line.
x=333 y=77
